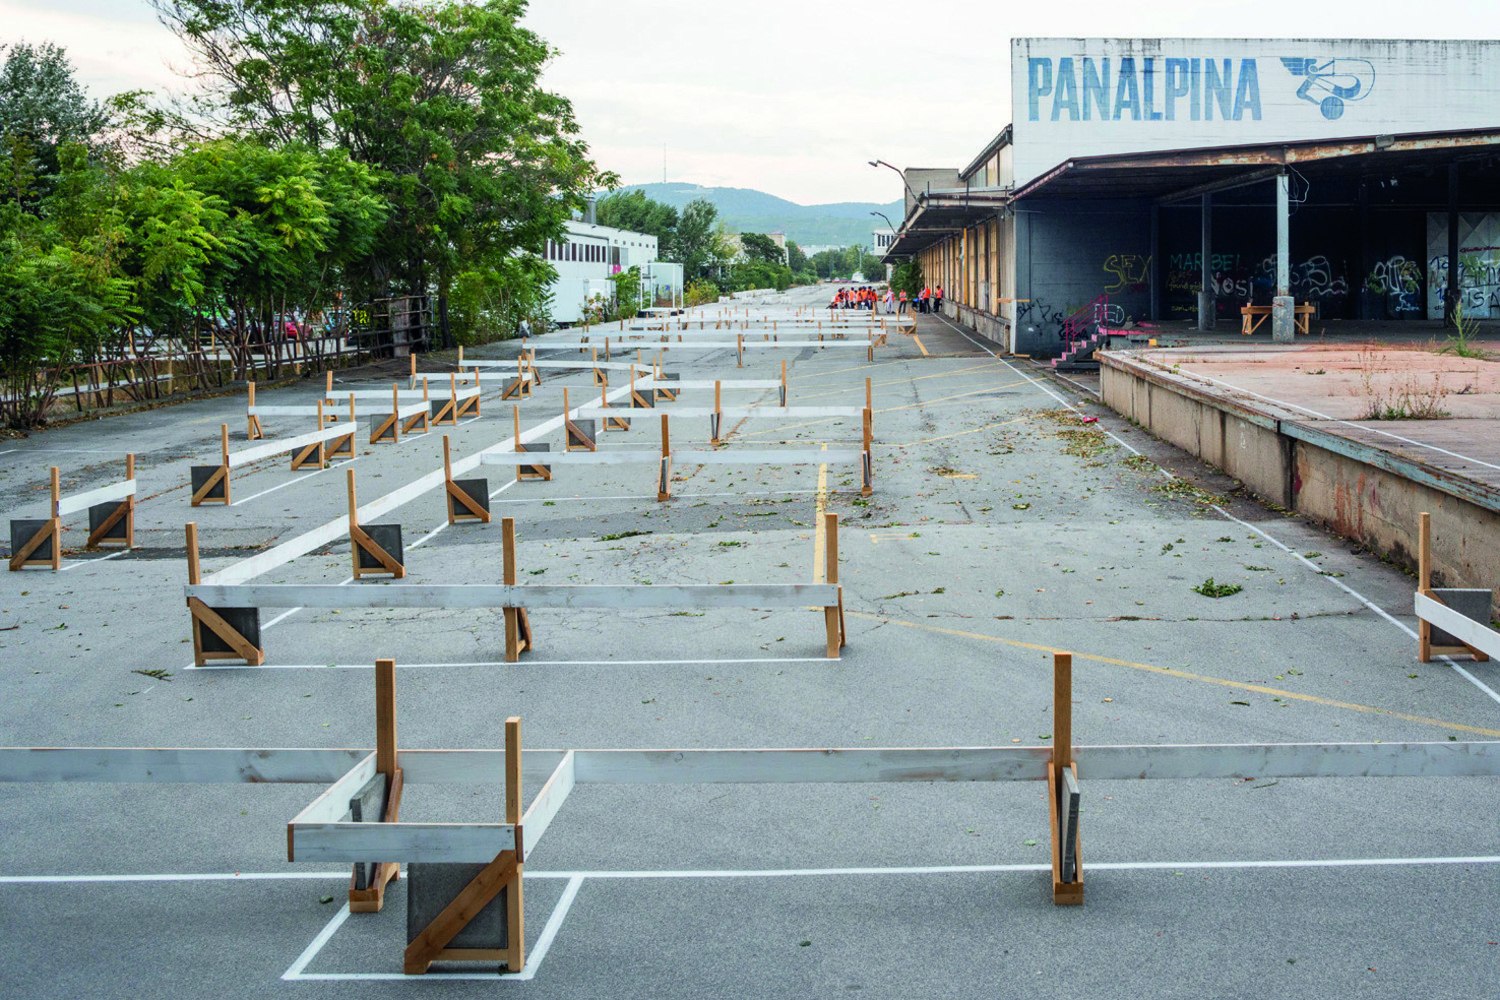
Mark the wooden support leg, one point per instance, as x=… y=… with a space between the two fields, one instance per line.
x=833 y=615
x=1424 y=583
x=1062 y=789
x=517 y=624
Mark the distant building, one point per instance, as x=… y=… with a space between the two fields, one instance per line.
x=881 y=241
x=586 y=261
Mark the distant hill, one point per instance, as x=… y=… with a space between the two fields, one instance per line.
x=749 y=211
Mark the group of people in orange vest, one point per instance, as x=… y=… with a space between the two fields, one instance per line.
x=863 y=297
x=928 y=300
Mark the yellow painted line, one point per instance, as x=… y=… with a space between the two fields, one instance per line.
x=918 y=341
x=856 y=368
x=1185 y=675
x=944 y=437
x=822 y=505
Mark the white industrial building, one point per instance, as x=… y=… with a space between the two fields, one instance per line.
x=591 y=254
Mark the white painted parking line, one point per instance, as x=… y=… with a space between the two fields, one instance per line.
x=291 y=482
x=1494 y=696
x=88 y=562
x=533 y=962
x=317 y=943
x=403 y=665
x=702 y=873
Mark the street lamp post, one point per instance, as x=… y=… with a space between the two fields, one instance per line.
x=899 y=173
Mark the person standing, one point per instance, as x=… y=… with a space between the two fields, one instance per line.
x=890 y=301
x=901 y=311
x=924 y=300
x=937 y=299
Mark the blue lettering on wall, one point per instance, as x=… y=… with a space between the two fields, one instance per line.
x=1066 y=90
x=1096 y=89
x=1247 y=97
x=1177 y=85
x=1148 y=79
x=1128 y=93
x=1080 y=89
x=1038 y=86
x=1216 y=89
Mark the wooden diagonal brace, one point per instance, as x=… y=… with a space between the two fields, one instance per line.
x=388 y=429
x=475 y=511
x=428 y=946
x=341 y=447
x=201 y=496
x=314 y=455
x=388 y=562
x=51 y=529
x=126 y=512
x=203 y=615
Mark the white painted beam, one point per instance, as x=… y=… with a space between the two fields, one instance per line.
x=534 y=596
x=1463 y=628
x=469 y=843
x=175 y=764
x=83 y=501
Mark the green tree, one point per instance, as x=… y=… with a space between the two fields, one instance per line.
x=294 y=219
x=697 y=245
x=908 y=277
x=632 y=210
x=796 y=259
x=60 y=289
x=759 y=247
x=477 y=161
x=42 y=108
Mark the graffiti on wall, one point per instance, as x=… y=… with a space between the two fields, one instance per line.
x=1479 y=264
x=1399 y=281
x=1235 y=281
x=1132 y=273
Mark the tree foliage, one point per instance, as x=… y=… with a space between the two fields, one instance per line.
x=697 y=246
x=335 y=152
x=443 y=100
x=761 y=248
x=633 y=211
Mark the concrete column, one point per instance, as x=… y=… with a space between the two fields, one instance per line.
x=1455 y=270
x=1283 y=319
x=1156 y=268
x=1207 y=310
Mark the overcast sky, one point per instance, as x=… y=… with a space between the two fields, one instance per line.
x=788 y=96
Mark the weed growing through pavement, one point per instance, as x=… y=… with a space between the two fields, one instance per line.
x=1216 y=590
x=1406 y=399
